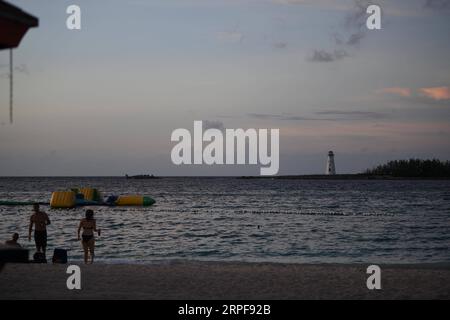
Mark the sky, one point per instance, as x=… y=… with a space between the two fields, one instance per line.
x=105 y=99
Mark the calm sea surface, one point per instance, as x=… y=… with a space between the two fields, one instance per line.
x=231 y=219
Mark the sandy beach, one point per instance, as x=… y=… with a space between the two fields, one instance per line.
x=218 y=280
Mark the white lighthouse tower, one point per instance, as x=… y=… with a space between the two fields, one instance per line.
x=331 y=169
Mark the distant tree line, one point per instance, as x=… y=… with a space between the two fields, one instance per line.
x=412 y=168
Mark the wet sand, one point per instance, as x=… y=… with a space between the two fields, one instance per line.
x=218 y=280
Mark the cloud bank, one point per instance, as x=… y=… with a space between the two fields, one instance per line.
x=325 y=56
x=437 y=4
x=433 y=93
x=351 y=36
x=436 y=93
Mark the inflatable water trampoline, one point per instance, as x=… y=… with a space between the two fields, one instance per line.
x=86 y=197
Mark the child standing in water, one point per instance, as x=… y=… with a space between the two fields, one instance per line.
x=89 y=226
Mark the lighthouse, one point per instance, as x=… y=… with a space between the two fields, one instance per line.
x=331 y=169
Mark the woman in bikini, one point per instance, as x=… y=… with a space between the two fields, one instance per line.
x=89 y=226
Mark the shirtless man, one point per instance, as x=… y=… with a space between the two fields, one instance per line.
x=40 y=220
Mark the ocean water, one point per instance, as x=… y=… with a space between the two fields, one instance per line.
x=265 y=220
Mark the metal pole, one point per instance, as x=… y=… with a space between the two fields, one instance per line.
x=11 y=86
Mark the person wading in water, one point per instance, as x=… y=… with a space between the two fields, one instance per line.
x=40 y=220
x=89 y=226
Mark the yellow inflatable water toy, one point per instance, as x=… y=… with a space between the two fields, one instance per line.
x=92 y=197
x=91 y=194
x=63 y=199
x=134 y=200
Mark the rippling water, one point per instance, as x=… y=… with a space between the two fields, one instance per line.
x=249 y=220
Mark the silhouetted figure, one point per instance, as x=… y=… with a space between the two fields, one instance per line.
x=89 y=226
x=13 y=242
x=40 y=220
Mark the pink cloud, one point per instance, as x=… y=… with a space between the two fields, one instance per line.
x=436 y=93
x=403 y=92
